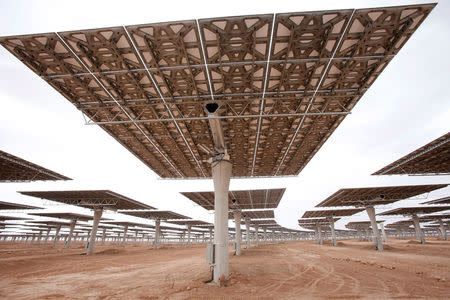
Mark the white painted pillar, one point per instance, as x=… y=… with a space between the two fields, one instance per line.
x=333 y=233
x=55 y=240
x=247 y=236
x=238 y=236
x=376 y=233
x=97 y=215
x=419 y=231
x=443 y=230
x=383 y=232
x=157 y=230
x=71 y=229
x=221 y=172
x=188 y=235
x=125 y=230
x=257 y=234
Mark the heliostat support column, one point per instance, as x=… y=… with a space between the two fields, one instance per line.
x=221 y=171
x=157 y=226
x=71 y=229
x=125 y=230
x=103 y=236
x=55 y=240
x=419 y=231
x=257 y=234
x=384 y=233
x=93 y=236
x=443 y=231
x=247 y=235
x=333 y=233
x=373 y=222
x=188 y=235
x=265 y=235
x=319 y=234
x=238 y=237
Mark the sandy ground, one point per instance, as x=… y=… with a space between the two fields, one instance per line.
x=294 y=270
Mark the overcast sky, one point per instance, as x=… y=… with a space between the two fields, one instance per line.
x=407 y=107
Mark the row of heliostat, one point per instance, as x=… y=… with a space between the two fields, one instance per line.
x=430 y=159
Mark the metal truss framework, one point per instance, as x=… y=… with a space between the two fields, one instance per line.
x=263 y=222
x=314 y=221
x=360 y=225
x=331 y=213
x=15 y=169
x=284 y=82
x=376 y=195
x=64 y=215
x=90 y=199
x=154 y=214
x=414 y=210
x=190 y=222
x=245 y=199
x=431 y=159
x=255 y=214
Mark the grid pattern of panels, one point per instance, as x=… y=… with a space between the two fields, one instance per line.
x=245 y=199
x=331 y=212
x=415 y=210
x=254 y=214
x=90 y=199
x=68 y=216
x=9 y=205
x=13 y=168
x=377 y=195
x=284 y=82
x=433 y=158
x=445 y=200
x=154 y=214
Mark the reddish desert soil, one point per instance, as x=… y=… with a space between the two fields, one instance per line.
x=294 y=270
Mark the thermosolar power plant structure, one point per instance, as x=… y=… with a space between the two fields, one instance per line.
x=156 y=215
x=13 y=168
x=329 y=215
x=444 y=200
x=243 y=96
x=12 y=206
x=283 y=82
x=413 y=212
x=98 y=200
x=370 y=196
x=73 y=217
x=433 y=158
